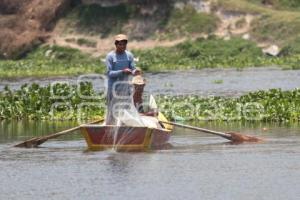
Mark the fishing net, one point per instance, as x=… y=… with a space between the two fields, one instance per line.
x=119 y=99
x=124 y=123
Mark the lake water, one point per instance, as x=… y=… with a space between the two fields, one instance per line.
x=198 y=166
x=220 y=82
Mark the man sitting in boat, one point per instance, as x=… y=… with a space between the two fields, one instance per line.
x=148 y=113
x=139 y=83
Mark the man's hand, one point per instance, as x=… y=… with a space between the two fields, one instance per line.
x=127 y=71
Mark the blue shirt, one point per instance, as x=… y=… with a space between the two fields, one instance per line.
x=115 y=63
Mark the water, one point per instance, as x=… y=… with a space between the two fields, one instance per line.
x=198 y=166
x=220 y=82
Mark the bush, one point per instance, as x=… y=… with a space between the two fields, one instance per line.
x=51 y=61
x=188 y=21
x=86 y=42
x=291 y=48
x=202 y=53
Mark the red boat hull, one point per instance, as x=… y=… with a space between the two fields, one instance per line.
x=100 y=137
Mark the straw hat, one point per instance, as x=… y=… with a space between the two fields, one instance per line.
x=121 y=37
x=138 y=80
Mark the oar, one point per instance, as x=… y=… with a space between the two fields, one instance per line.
x=234 y=137
x=36 y=141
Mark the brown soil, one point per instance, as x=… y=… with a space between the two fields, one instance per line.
x=24 y=24
x=104 y=45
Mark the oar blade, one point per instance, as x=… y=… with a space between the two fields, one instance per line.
x=241 y=138
x=31 y=143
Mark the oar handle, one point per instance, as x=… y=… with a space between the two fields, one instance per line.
x=224 y=135
x=64 y=132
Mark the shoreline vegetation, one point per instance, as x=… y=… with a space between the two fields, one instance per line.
x=65 y=102
x=201 y=53
x=274 y=22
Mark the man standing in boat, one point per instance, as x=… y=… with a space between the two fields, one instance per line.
x=120 y=65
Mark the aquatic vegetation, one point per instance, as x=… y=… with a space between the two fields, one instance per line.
x=218 y=81
x=57 y=101
x=65 y=102
x=271 y=105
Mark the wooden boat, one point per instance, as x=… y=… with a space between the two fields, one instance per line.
x=126 y=138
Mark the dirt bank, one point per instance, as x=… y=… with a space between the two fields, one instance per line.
x=24 y=24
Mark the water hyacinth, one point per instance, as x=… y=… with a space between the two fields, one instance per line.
x=63 y=101
x=58 y=101
x=271 y=105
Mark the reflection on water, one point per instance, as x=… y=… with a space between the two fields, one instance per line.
x=199 y=166
x=11 y=130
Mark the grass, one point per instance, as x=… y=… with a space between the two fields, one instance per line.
x=291 y=4
x=279 y=29
x=279 y=24
x=82 y=42
x=280 y=4
x=86 y=42
x=210 y=53
x=94 y=19
x=71 y=40
x=187 y=21
x=50 y=61
x=291 y=48
x=238 y=6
